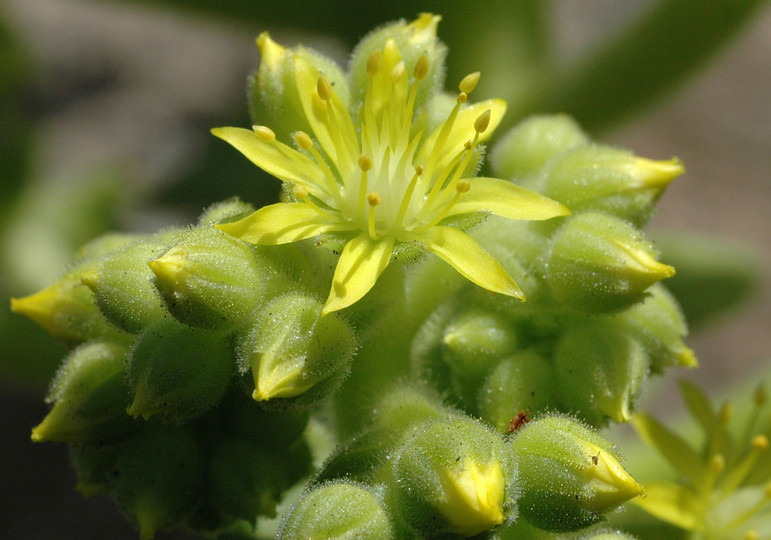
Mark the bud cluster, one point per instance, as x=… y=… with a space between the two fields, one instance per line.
x=199 y=354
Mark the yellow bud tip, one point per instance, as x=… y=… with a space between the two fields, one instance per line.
x=424 y=27
x=90 y=278
x=373 y=198
x=687 y=358
x=473 y=501
x=398 y=72
x=717 y=464
x=264 y=133
x=469 y=82
x=760 y=442
x=604 y=475
x=373 y=62
x=323 y=88
x=640 y=262
x=421 y=67
x=463 y=186
x=656 y=173
x=169 y=268
x=141 y=404
x=365 y=162
x=462 y=97
x=482 y=121
x=35 y=306
x=303 y=140
x=301 y=192
x=271 y=53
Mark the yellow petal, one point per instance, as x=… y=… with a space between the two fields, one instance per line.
x=672 y=503
x=275 y=158
x=460 y=251
x=463 y=130
x=361 y=263
x=675 y=449
x=281 y=223
x=507 y=200
x=330 y=121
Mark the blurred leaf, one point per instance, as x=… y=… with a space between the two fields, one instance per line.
x=645 y=60
x=713 y=275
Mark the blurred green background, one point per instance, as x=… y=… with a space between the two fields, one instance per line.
x=106 y=106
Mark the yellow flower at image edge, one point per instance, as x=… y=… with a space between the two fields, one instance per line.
x=383 y=184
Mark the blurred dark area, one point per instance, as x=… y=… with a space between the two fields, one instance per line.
x=106 y=107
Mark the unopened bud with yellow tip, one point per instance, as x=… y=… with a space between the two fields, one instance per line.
x=569 y=475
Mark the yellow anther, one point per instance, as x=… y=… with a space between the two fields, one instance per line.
x=462 y=186
x=373 y=198
x=365 y=162
x=760 y=442
x=398 y=71
x=264 y=133
x=462 y=97
x=469 y=82
x=726 y=412
x=421 y=67
x=324 y=88
x=717 y=464
x=482 y=121
x=373 y=62
x=303 y=140
x=418 y=170
x=301 y=192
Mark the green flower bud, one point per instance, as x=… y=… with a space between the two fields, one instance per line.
x=338 y=510
x=210 y=279
x=607 y=535
x=413 y=40
x=159 y=477
x=67 y=310
x=603 y=179
x=89 y=396
x=95 y=465
x=273 y=96
x=102 y=245
x=660 y=326
x=452 y=476
x=533 y=142
x=123 y=284
x=225 y=212
x=296 y=356
x=178 y=372
x=521 y=382
x=601 y=263
x=569 y=475
x=600 y=369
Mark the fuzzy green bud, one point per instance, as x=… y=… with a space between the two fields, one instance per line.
x=600 y=370
x=601 y=263
x=296 y=354
x=338 y=510
x=123 y=284
x=452 y=476
x=225 y=212
x=569 y=475
x=89 y=396
x=660 y=326
x=159 y=477
x=414 y=40
x=607 y=535
x=210 y=279
x=520 y=382
x=67 y=310
x=604 y=179
x=533 y=142
x=178 y=372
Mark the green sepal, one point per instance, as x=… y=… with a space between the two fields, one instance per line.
x=344 y=510
x=529 y=145
x=600 y=370
x=89 y=397
x=569 y=475
x=177 y=372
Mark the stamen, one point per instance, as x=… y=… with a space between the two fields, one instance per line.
x=469 y=82
x=304 y=141
x=373 y=199
x=264 y=133
x=301 y=192
x=462 y=98
x=482 y=121
x=462 y=186
x=365 y=164
x=405 y=204
x=324 y=88
x=421 y=67
x=325 y=92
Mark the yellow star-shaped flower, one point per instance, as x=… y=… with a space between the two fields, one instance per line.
x=383 y=183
